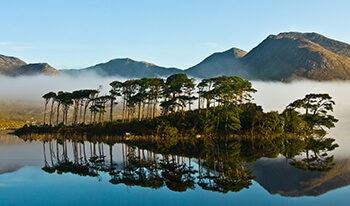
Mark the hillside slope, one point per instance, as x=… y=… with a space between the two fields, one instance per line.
x=284 y=57
x=9 y=65
x=126 y=68
x=12 y=66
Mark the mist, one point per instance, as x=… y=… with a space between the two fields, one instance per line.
x=32 y=88
x=272 y=96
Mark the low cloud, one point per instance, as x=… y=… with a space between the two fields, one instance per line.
x=33 y=87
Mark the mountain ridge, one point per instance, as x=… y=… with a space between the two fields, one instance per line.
x=286 y=56
x=126 y=67
x=13 y=66
x=337 y=47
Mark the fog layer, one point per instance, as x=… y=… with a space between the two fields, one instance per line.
x=32 y=88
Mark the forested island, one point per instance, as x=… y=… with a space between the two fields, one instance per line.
x=164 y=108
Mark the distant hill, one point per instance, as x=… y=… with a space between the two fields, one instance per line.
x=127 y=68
x=12 y=66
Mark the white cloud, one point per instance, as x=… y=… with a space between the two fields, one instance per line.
x=3 y=43
x=12 y=46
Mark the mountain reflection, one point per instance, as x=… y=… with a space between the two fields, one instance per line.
x=223 y=164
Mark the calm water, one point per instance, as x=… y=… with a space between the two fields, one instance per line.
x=23 y=182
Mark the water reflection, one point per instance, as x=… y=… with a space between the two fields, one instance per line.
x=221 y=164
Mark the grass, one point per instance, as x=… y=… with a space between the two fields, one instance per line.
x=8 y=124
x=15 y=112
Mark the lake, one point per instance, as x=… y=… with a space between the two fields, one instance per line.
x=84 y=177
x=24 y=182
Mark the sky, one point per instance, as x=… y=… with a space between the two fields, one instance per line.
x=72 y=34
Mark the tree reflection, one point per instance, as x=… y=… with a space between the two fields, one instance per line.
x=225 y=170
x=317 y=155
x=221 y=164
x=60 y=160
x=138 y=169
x=177 y=174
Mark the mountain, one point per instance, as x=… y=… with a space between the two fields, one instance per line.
x=38 y=68
x=9 y=65
x=334 y=46
x=220 y=63
x=12 y=66
x=127 y=68
x=289 y=56
x=277 y=176
x=283 y=57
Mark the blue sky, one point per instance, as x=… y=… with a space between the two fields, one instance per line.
x=80 y=33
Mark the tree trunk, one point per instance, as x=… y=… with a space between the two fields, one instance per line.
x=111 y=111
x=58 y=112
x=103 y=112
x=155 y=106
x=143 y=108
x=139 y=114
x=148 y=115
x=45 y=111
x=95 y=113
x=51 y=112
x=76 y=112
x=199 y=104
x=208 y=106
x=85 y=108
x=81 y=111
x=123 y=112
